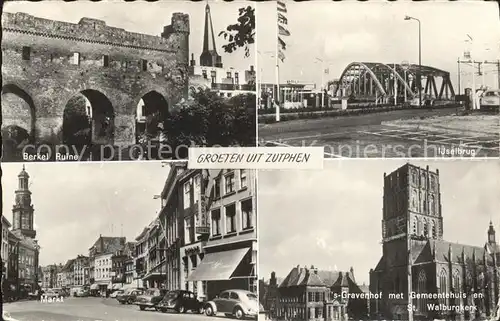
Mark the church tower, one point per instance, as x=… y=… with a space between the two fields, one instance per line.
x=209 y=57
x=412 y=204
x=491 y=234
x=23 y=211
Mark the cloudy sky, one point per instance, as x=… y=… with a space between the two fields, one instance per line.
x=375 y=31
x=148 y=18
x=75 y=202
x=332 y=218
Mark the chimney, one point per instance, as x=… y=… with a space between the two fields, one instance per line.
x=252 y=68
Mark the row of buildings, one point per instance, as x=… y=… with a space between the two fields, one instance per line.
x=203 y=239
x=20 y=250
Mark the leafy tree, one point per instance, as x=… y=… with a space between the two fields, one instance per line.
x=242 y=33
x=207 y=119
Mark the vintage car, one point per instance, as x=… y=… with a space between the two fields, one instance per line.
x=51 y=294
x=7 y=317
x=236 y=303
x=490 y=99
x=180 y=301
x=150 y=298
x=129 y=296
x=116 y=293
x=82 y=292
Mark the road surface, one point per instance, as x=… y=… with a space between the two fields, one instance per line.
x=93 y=309
x=365 y=136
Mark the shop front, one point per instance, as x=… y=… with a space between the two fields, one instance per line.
x=224 y=267
x=156 y=277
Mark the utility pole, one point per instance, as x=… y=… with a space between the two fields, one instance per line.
x=459 y=79
x=497 y=63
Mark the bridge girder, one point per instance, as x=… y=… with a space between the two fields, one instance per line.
x=382 y=75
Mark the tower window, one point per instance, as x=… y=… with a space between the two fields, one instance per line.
x=105 y=61
x=26 y=53
x=76 y=59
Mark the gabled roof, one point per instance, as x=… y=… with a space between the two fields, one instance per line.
x=68 y=266
x=303 y=276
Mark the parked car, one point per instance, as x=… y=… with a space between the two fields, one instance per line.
x=180 y=301
x=7 y=317
x=114 y=294
x=51 y=294
x=490 y=99
x=129 y=296
x=81 y=292
x=150 y=298
x=236 y=303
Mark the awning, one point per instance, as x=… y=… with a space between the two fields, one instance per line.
x=218 y=266
x=94 y=286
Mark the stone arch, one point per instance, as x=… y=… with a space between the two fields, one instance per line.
x=88 y=118
x=18 y=110
x=150 y=112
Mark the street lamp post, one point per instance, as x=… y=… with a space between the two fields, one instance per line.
x=419 y=59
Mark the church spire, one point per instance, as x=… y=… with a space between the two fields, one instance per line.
x=209 y=57
x=491 y=234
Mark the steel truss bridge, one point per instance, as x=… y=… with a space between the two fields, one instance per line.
x=379 y=82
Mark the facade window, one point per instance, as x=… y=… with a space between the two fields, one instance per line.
x=197 y=188
x=230 y=218
x=26 y=53
x=426 y=228
x=187 y=195
x=204 y=73
x=431 y=205
x=243 y=178
x=236 y=78
x=217 y=191
x=76 y=59
x=105 y=61
x=456 y=282
x=422 y=288
x=144 y=65
x=216 y=222
x=433 y=229
x=229 y=183
x=414 y=226
x=247 y=214
x=228 y=74
x=443 y=284
x=187 y=230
